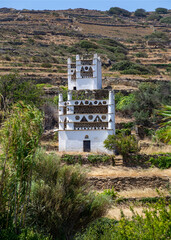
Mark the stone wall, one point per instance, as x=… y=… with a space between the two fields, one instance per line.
x=125 y=183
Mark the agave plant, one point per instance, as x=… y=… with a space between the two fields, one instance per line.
x=164 y=133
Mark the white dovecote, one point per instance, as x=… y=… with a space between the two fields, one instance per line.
x=85 y=124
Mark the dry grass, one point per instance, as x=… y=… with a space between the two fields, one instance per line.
x=115 y=212
x=155 y=149
x=118 y=171
x=141 y=193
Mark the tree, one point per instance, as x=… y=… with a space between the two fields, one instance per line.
x=13 y=88
x=60 y=202
x=140 y=12
x=119 y=11
x=161 y=10
x=20 y=135
x=124 y=144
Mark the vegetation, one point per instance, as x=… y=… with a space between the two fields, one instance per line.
x=119 y=11
x=143 y=103
x=13 y=88
x=140 y=12
x=60 y=203
x=154 y=225
x=166 y=20
x=127 y=67
x=153 y=17
x=123 y=144
x=162 y=162
x=164 y=133
x=161 y=10
x=20 y=135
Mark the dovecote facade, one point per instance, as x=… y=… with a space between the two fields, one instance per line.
x=85 y=124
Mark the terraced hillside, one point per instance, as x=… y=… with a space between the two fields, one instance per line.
x=36 y=44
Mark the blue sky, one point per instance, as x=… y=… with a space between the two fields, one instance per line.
x=130 y=5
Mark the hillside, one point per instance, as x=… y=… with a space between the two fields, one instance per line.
x=36 y=44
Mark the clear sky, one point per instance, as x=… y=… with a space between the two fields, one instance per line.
x=130 y=5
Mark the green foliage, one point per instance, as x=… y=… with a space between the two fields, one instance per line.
x=166 y=20
x=110 y=192
x=149 y=97
x=119 y=11
x=96 y=230
x=141 y=55
x=124 y=144
x=26 y=234
x=140 y=13
x=153 y=17
x=162 y=162
x=164 y=134
x=161 y=10
x=155 y=224
x=46 y=65
x=125 y=102
x=20 y=135
x=72 y=159
x=158 y=36
x=127 y=67
x=13 y=88
x=60 y=203
x=98 y=158
x=87 y=44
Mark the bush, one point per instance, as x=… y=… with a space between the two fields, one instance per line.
x=60 y=203
x=153 y=17
x=46 y=65
x=111 y=193
x=161 y=10
x=141 y=55
x=87 y=44
x=140 y=12
x=98 y=158
x=127 y=67
x=155 y=224
x=166 y=20
x=119 y=11
x=125 y=103
x=123 y=144
x=162 y=162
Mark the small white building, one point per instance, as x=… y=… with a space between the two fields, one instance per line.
x=85 y=124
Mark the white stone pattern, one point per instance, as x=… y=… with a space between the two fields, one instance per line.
x=85 y=120
x=84 y=73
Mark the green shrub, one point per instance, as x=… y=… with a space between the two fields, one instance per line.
x=46 y=65
x=162 y=162
x=88 y=44
x=141 y=55
x=153 y=17
x=98 y=158
x=72 y=159
x=154 y=225
x=140 y=13
x=166 y=20
x=119 y=11
x=125 y=102
x=127 y=67
x=60 y=203
x=124 y=144
x=161 y=10
x=111 y=192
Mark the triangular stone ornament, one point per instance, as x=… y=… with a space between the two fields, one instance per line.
x=97 y=119
x=84 y=119
x=81 y=103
